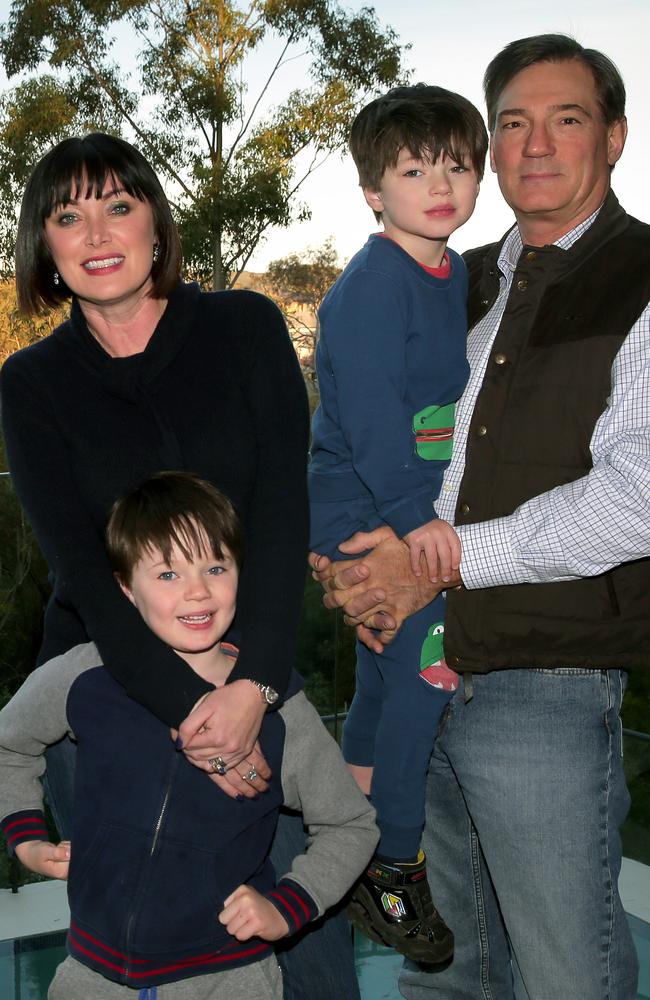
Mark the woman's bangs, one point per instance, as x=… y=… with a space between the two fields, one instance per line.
x=85 y=176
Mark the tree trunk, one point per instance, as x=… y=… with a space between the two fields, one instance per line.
x=218 y=276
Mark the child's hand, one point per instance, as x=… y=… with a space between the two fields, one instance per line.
x=45 y=858
x=440 y=545
x=248 y=914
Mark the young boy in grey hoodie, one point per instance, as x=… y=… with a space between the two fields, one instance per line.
x=170 y=885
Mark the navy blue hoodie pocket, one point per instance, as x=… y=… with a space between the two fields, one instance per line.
x=181 y=902
x=104 y=879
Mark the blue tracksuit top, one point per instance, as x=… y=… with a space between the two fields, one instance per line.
x=391 y=362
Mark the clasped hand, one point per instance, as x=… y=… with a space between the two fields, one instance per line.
x=225 y=723
x=378 y=591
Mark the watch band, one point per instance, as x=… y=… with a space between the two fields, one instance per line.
x=269 y=694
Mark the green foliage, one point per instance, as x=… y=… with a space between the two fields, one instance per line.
x=15 y=330
x=637 y=699
x=326 y=657
x=232 y=162
x=298 y=284
x=23 y=592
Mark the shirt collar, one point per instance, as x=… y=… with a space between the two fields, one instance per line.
x=513 y=244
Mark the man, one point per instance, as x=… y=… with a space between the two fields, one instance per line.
x=549 y=485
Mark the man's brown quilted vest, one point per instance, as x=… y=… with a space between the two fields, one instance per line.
x=547 y=381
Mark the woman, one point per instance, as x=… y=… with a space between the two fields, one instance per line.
x=148 y=374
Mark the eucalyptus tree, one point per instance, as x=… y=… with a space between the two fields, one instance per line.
x=172 y=76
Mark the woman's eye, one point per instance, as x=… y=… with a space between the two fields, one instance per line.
x=66 y=218
x=120 y=208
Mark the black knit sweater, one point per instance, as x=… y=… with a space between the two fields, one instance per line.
x=218 y=392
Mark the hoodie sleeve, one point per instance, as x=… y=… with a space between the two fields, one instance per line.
x=32 y=720
x=340 y=822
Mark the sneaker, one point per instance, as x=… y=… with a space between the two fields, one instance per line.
x=391 y=904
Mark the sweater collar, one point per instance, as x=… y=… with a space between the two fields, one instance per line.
x=125 y=377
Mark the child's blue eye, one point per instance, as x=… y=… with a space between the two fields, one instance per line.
x=168 y=574
x=217 y=570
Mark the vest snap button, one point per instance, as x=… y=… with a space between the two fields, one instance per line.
x=531 y=255
x=484 y=302
x=464 y=508
x=522 y=284
x=481 y=431
x=500 y=359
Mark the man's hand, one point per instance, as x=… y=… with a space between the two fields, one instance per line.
x=439 y=544
x=378 y=591
x=48 y=859
x=248 y=914
x=225 y=723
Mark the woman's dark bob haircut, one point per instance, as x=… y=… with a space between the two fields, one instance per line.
x=80 y=167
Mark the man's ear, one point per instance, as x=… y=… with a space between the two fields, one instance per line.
x=492 y=163
x=616 y=136
x=124 y=587
x=373 y=199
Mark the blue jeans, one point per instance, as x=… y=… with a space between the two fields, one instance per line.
x=525 y=799
x=317 y=963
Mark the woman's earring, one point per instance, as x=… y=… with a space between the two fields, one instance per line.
x=56 y=277
x=156 y=252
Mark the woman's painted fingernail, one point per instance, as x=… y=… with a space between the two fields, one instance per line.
x=178 y=743
x=240 y=797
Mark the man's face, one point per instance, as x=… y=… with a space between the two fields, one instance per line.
x=551 y=149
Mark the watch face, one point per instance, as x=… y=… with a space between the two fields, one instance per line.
x=271 y=695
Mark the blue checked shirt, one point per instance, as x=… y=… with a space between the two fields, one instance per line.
x=582 y=528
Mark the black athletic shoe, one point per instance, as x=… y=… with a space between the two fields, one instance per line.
x=391 y=904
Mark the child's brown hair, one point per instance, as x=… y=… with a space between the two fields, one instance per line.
x=171 y=508
x=429 y=122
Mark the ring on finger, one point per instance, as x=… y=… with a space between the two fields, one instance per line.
x=250 y=775
x=218 y=765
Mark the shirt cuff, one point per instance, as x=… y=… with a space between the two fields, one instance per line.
x=486 y=556
x=294 y=903
x=20 y=827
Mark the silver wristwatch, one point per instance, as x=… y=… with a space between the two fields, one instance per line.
x=269 y=694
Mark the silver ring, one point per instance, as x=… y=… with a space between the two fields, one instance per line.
x=250 y=775
x=218 y=765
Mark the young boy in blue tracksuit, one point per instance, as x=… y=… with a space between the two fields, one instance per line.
x=391 y=365
x=170 y=885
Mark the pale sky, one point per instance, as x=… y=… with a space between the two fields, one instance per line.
x=452 y=42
